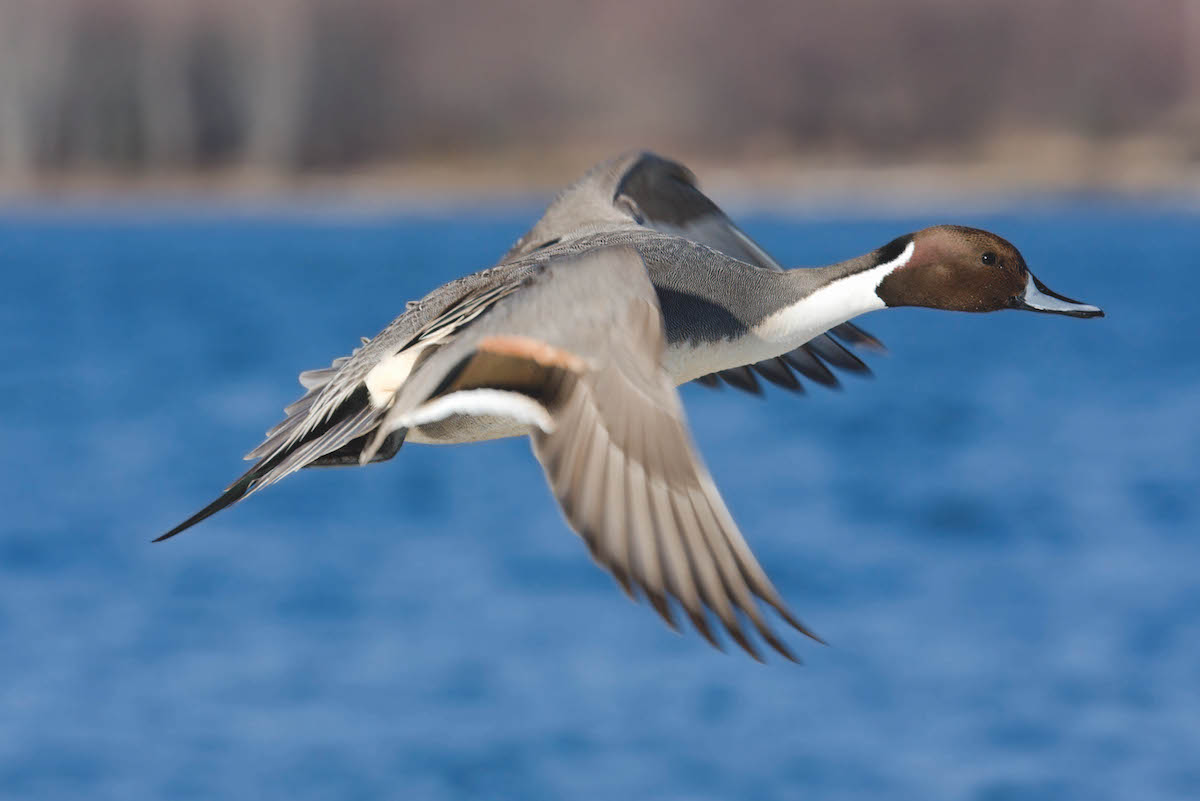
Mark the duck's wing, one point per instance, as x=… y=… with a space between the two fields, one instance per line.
x=662 y=194
x=335 y=420
x=577 y=357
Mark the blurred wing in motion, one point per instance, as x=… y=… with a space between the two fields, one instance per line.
x=577 y=357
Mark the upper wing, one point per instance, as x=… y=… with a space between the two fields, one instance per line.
x=663 y=195
x=577 y=357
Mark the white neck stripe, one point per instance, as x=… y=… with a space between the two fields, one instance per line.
x=832 y=304
x=791 y=326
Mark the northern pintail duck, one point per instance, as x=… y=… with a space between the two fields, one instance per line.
x=579 y=344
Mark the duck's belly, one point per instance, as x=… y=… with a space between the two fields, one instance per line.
x=459 y=428
x=687 y=360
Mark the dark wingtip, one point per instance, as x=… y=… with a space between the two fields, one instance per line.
x=804 y=361
x=663 y=607
x=701 y=624
x=622 y=577
x=743 y=641
x=837 y=355
x=778 y=373
x=853 y=335
x=777 y=644
x=794 y=621
x=741 y=378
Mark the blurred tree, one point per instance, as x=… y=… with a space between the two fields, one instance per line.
x=32 y=67
x=277 y=44
x=285 y=85
x=167 y=121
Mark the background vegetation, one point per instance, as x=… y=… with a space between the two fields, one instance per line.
x=288 y=87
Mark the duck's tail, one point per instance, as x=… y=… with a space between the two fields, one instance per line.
x=337 y=441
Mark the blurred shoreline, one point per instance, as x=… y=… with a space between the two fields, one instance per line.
x=998 y=173
x=416 y=103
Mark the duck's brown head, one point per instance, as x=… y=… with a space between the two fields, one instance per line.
x=967 y=269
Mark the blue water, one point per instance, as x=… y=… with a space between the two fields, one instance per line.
x=999 y=535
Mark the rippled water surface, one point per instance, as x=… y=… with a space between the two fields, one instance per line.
x=999 y=535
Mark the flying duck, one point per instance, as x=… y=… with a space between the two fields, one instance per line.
x=580 y=343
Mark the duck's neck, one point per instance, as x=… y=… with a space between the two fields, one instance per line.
x=828 y=296
x=721 y=313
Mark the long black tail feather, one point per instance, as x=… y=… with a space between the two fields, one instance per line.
x=329 y=443
x=237 y=490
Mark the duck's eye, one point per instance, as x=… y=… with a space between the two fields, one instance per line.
x=988 y=258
